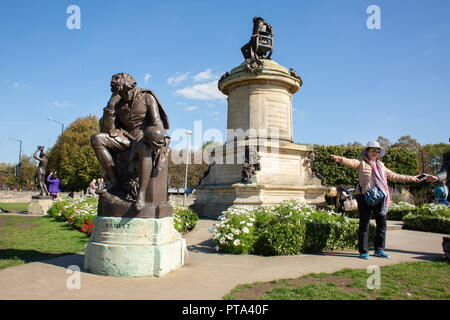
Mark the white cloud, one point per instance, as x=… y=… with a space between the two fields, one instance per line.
x=202 y=91
x=146 y=77
x=62 y=104
x=206 y=75
x=191 y=108
x=177 y=78
x=17 y=84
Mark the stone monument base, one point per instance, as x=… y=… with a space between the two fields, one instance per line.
x=134 y=247
x=39 y=205
x=285 y=174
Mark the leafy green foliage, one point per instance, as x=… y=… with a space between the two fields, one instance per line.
x=287 y=229
x=430 y=218
x=78 y=163
x=184 y=219
x=27 y=178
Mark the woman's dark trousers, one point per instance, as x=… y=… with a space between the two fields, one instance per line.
x=364 y=221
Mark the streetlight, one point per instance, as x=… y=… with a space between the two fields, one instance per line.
x=18 y=172
x=61 y=141
x=188 y=134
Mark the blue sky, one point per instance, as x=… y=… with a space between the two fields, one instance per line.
x=358 y=83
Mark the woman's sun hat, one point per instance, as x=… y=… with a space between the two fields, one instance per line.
x=373 y=144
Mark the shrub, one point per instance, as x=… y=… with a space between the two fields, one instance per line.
x=427 y=223
x=80 y=214
x=429 y=217
x=287 y=229
x=398 y=210
x=184 y=219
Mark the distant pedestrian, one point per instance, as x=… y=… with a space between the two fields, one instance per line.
x=53 y=187
x=441 y=193
x=100 y=184
x=92 y=187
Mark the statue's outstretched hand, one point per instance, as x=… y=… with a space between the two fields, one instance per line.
x=431 y=178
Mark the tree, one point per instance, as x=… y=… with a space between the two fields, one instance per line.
x=408 y=142
x=384 y=142
x=354 y=144
x=433 y=155
x=177 y=171
x=27 y=177
x=79 y=164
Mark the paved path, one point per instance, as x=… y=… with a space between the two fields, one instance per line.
x=208 y=275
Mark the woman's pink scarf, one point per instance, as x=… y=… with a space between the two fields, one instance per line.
x=379 y=175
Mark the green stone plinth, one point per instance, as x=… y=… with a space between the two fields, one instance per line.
x=134 y=247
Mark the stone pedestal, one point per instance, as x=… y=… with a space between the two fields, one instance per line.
x=260 y=105
x=39 y=206
x=134 y=247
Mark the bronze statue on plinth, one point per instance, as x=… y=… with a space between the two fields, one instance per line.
x=41 y=156
x=133 y=149
x=260 y=45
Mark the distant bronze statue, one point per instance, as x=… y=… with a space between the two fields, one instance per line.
x=40 y=172
x=251 y=164
x=133 y=146
x=260 y=45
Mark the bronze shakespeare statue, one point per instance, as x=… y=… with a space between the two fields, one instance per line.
x=41 y=156
x=260 y=45
x=133 y=149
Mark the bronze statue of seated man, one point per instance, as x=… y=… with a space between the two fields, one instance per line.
x=133 y=121
x=259 y=46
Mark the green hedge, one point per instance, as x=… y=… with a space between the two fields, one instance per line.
x=398 y=160
x=430 y=218
x=287 y=229
x=427 y=223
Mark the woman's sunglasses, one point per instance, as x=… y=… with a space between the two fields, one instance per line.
x=374 y=150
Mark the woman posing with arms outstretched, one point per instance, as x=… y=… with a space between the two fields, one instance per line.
x=372 y=194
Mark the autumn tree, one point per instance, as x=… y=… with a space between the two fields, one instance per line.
x=27 y=178
x=78 y=163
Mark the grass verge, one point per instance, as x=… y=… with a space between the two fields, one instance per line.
x=14 y=206
x=28 y=239
x=408 y=280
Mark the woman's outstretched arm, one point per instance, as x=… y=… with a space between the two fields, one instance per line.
x=351 y=163
x=390 y=175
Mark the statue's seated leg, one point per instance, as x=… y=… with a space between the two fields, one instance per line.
x=103 y=145
x=153 y=139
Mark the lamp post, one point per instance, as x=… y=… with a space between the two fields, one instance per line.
x=61 y=141
x=20 y=159
x=188 y=134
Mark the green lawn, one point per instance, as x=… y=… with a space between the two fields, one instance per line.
x=15 y=206
x=28 y=239
x=408 y=280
